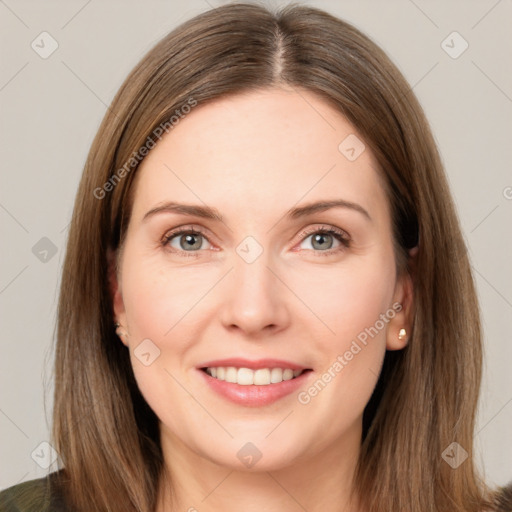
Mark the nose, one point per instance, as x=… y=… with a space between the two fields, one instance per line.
x=255 y=300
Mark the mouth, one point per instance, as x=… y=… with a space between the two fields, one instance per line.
x=253 y=383
x=250 y=377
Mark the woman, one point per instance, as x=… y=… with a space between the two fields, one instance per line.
x=266 y=301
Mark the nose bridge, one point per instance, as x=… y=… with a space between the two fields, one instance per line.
x=254 y=300
x=253 y=279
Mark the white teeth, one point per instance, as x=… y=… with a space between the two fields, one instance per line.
x=245 y=376
x=276 y=375
x=261 y=376
x=248 y=377
x=231 y=374
x=287 y=374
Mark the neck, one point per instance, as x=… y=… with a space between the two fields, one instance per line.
x=321 y=482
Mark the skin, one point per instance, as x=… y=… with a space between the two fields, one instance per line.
x=253 y=157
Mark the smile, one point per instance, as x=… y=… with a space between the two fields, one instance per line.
x=249 y=377
x=253 y=383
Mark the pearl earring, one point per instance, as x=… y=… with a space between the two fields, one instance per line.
x=120 y=333
x=402 y=334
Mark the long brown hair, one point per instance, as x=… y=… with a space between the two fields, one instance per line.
x=426 y=398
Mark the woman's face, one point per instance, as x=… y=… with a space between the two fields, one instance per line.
x=260 y=246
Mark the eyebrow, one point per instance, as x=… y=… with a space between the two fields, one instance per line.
x=321 y=206
x=207 y=212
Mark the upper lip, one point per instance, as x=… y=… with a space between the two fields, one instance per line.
x=240 y=362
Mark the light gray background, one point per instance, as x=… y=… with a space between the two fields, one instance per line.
x=51 y=109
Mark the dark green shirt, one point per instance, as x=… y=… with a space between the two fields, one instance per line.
x=33 y=496
x=42 y=496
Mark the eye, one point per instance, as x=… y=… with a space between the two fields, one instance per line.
x=325 y=239
x=186 y=240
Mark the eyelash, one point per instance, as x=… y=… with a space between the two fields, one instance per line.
x=338 y=234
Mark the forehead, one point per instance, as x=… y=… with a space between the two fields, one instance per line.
x=263 y=150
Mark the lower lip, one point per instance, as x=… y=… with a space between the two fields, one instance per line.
x=254 y=396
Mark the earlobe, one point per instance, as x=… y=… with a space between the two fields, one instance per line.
x=122 y=335
x=400 y=327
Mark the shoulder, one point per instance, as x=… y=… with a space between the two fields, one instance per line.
x=33 y=496
x=503 y=499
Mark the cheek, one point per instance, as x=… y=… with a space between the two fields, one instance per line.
x=167 y=310
x=162 y=322
x=160 y=301
x=353 y=307
x=349 y=298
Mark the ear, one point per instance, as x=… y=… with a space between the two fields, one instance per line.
x=404 y=295
x=116 y=295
